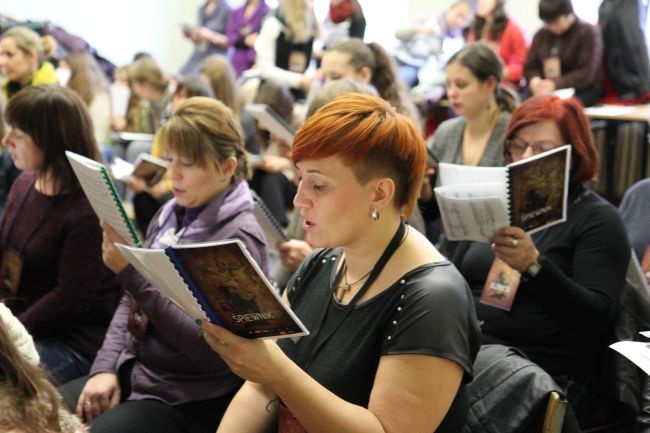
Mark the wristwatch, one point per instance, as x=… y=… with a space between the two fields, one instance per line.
x=534 y=268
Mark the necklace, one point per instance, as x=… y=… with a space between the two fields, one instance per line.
x=345 y=287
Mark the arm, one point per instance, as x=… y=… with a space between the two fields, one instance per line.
x=400 y=388
x=172 y=324
x=588 y=61
x=533 y=65
x=265 y=55
x=514 y=51
x=597 y=268
x=253 y=409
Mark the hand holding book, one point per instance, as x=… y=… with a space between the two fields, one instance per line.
x=218 y=281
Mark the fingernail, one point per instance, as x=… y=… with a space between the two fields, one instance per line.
x=198 y=322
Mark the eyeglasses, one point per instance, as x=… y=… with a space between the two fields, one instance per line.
x=517 y=146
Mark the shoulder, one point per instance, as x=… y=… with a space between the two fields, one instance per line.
x=596 y=215
x=448 y=131
x=437 y=286
x=434 y=315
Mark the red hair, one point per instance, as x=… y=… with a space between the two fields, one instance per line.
x=371 y=138
x=570 y=118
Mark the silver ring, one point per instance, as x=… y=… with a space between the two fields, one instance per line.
x=514 y=242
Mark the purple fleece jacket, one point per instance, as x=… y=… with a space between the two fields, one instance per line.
x=173 y=363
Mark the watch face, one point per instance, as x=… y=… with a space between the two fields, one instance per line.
x=534 y=269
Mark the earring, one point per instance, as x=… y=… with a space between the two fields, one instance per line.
x=375 y=214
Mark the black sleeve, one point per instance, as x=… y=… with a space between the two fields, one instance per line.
x=586 y=301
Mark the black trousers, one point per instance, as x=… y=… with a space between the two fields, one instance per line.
x=152 y=416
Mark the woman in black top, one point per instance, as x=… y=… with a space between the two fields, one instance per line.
x=571 y=273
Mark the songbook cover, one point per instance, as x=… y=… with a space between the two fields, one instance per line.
x=233 y=291
x=538 y=190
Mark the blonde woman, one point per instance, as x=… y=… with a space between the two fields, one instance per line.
x=22 y=61
x=284 y=45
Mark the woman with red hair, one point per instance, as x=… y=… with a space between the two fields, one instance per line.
x=393 y=330
x=571 y=273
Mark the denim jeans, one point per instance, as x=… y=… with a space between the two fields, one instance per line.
x=60 y=361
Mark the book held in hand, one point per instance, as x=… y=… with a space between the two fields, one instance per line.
x=218 y=281
x=146 y=167
x=531 y=194
x=102 y=195
x=272 y=121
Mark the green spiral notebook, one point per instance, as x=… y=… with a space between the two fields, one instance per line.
x=103 y=197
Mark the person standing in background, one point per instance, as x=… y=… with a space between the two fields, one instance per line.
x=429 y=42
x=243 y=26
x=284 y=46
x=343 y=21
x=209 y=36
x=493 y=26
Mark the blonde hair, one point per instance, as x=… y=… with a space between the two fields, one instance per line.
x=203 y=130
x=299 y=19
x=27 y=40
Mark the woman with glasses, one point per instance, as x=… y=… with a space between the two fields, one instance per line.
x=571 y=274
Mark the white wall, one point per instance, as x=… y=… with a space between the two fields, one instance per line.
x=120 y=28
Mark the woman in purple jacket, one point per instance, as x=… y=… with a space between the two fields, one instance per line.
x=243 y=25
x=154 y=372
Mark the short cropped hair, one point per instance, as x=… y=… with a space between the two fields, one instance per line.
x=372 y=138
x=549 y=10
x=56 y=119
x=204 y=130
x=571 y=120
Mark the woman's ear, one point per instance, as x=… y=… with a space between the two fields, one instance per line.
x=229 y=166
x=365 y=75
x=383 y=192
x=492 y=84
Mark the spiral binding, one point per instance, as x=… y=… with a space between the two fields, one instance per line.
x=266 y=219
x=120 y=207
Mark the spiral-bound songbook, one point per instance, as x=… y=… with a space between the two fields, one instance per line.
x=219 y=281
x=98 y=186
x=475 y=202
x=272 y=121
x=271 y=227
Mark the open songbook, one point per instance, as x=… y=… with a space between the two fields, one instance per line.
x=272 y=121
x=102 y=195
x=219 y=281
x=532 y=194
x=146 y=167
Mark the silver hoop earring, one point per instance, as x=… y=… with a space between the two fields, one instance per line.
x=375 y=214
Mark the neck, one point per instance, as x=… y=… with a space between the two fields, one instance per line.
x=483 y=120
x=362 y=256
x=26 y=81
x=45 y=185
